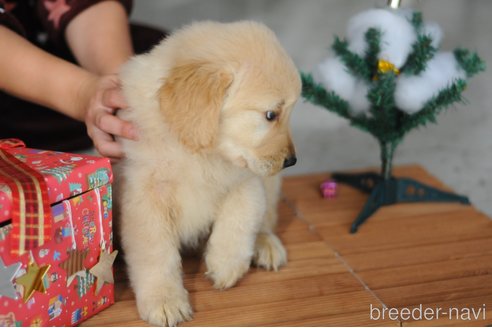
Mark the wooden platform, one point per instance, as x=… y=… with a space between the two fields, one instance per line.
x=434 y=255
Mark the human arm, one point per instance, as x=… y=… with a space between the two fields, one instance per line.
x=99 y=38
x=35 y=75
x=32 y=74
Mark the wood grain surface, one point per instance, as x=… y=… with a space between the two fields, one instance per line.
x=405 y=256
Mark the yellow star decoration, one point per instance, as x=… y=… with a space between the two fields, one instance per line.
x=33 y=280
x=103 y=270
x=385 y=66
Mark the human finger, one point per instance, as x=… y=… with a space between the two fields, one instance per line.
x=114 y=98
x=116 y=126
x=106 y=145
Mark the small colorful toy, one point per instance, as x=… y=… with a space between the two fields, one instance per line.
x=329 y=189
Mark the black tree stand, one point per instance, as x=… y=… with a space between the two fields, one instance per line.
x=384 y=189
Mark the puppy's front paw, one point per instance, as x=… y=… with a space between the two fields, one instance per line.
x=269 y=252
x=225 y=272
x=165 y=308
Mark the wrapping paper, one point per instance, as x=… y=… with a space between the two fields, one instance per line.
x=63 y=292
x=65 y=174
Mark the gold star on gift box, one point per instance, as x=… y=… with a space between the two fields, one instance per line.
x=33 y=280
x=103 y=270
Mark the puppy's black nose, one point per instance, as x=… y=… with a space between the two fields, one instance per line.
x=290 y=161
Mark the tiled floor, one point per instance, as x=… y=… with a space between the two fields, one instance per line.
x=458 y=150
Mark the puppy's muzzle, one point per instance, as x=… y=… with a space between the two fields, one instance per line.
x=290 y=161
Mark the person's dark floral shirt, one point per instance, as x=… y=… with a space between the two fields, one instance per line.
x=44 y=20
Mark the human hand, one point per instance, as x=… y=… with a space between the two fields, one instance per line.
x=102 y=123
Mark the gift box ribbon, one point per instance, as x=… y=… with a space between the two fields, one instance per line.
x=30 y=209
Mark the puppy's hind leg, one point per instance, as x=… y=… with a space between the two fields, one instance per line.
x=152 y=254
x=269 y=251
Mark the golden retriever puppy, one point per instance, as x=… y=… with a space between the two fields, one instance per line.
x=212 y=104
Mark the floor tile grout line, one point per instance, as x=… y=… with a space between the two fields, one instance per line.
x=298 y=214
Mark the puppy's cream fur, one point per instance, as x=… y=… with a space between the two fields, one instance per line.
x=207 y=159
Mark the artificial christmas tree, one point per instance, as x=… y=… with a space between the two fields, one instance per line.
x=387 y=78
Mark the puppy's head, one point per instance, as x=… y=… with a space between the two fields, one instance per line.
x=230 y=89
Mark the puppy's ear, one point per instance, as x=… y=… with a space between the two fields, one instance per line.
x=191 y=100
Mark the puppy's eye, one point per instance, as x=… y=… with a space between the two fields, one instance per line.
x=271 y=115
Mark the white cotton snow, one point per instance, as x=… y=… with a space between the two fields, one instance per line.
x=433 y=30
x=359 y=104
x=413 y=92
x=398 y=34
x=334 y=76
x=397 y=39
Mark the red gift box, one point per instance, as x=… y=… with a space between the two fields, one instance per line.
x=66 y=277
